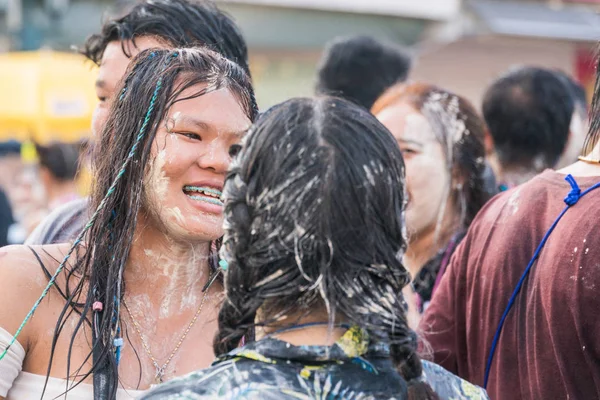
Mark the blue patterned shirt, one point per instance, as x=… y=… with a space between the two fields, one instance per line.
x=270 y=369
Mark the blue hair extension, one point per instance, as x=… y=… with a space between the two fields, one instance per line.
x=118 y=339
x=100 y=207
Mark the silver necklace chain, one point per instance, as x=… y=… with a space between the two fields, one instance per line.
x=160 y=370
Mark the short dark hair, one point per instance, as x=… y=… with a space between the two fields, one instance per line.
x=528 y=112
x=576 y=90
x=361 y=68
x=60 y=159
x=180 y=23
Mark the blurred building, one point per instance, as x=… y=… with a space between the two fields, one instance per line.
x=490 y=36
x=459 y=44
x=286 y=37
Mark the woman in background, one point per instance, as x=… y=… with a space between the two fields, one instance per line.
x=441 y=137
x=313 y=245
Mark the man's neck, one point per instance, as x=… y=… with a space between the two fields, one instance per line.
x=166 y=273
x=585 y=168
x=511 y=176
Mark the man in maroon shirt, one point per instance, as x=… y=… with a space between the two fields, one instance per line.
x=549 y=347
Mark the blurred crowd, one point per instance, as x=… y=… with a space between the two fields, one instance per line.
x=414 y=214
x=35 y=180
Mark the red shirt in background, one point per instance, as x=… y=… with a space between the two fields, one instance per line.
x=550 y=343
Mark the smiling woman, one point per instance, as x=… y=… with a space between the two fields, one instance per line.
x=196 y=136
x=148 y=249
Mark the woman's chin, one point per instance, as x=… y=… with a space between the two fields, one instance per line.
x=181 y=223
x=198 y=232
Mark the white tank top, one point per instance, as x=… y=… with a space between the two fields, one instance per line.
x=18 y=385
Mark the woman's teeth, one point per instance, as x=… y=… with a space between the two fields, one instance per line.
x=206 y=194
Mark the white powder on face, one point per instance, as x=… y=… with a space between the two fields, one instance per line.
x=157 y=181
x=416 y=126
x=175 y=213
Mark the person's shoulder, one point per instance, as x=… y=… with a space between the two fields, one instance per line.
x=232 y=376
x=21 y=265
x=448 y=385
x=61 y=224
x=18 y=264
x=22 y=280
x=203 y=384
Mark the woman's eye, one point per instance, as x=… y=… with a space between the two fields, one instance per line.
x=189 y=135
x=101 y=99
x=407 y=151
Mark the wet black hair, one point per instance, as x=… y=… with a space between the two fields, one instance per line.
x=154 y=81
x=314 y=204
x=460 y=131
x=361 y=68
x=179 y=23
x=593 y=135
x=528 y=113
x=577 y=91
x=60 y=159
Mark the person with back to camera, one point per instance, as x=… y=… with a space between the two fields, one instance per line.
x=517 y=309
x=528 y=114
x=312 y=257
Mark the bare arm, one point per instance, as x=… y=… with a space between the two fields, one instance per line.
x=20 y=285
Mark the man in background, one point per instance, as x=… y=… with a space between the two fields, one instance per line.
x=360 y=69
x=528 y=113
x=579 y=121
x=548 y=347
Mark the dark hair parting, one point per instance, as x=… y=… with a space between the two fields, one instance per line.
x=314 y=204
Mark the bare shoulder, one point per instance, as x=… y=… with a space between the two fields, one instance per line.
x=22 y=280
x=22 y=264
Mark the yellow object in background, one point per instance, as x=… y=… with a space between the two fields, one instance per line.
x=84 y=181
x=29 y=153
x=46 y=96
